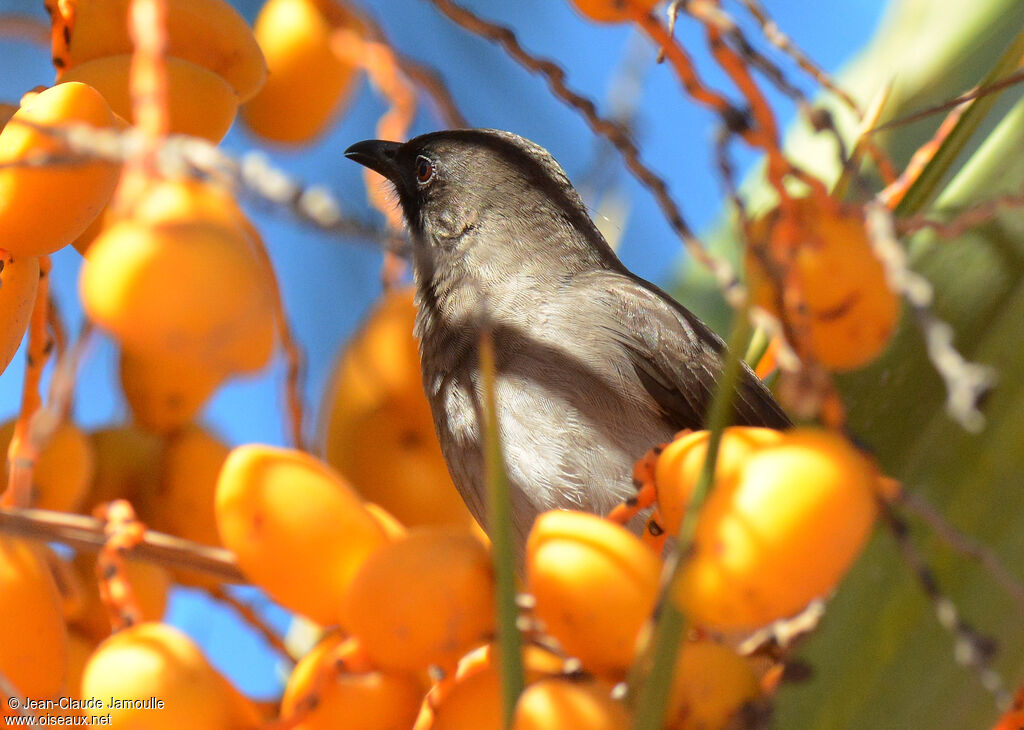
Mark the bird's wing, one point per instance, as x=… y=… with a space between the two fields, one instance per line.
x=677 y=357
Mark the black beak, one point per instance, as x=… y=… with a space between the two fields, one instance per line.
x=378 y=155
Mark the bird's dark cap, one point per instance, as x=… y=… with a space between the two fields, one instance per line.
x=378 y=155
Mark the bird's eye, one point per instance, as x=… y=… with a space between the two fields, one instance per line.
x=424 y=170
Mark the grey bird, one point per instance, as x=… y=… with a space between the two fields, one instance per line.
x=594 y=364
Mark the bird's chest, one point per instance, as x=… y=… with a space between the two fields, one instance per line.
x=569 y=427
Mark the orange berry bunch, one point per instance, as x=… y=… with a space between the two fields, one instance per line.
x=213 y=61
x=816 y=270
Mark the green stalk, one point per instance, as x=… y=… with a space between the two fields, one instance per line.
x=651 y=678
x=757 y=348
x=500 y=523
x=926 y=187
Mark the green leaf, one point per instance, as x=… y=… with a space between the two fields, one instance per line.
x=880 y=658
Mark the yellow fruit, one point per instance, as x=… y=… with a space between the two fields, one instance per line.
x=18 y=281
x=424 y=600
x=33 y=639
x=44 y=208
x=780 y=533
x=307 y=82
x=614 y=11
x=209 y=33
x=150 y=584
x=293 y=523
x=555 y=704
x=850 y=309
x=63 y=472
x=183 y=503
x=189 y=291
x=200 y=102
x=173 y=200
x=680 y=464
x=153 y=660
x=127 y=465
x=378 y=430
x=165 y=394
x=571 y=559
x=474 y=701
x=710 y=684
x=372 y=700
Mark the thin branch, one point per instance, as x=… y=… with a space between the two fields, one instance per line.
x=967 y=383
x=254 y=620
x=87 y=533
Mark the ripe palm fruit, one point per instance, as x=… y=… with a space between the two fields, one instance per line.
x=208 y=33
x=200 y=103
x=293 y=523
x=371 y=700
x=572 y=557
x=183 y=503
x=18 y=282
x=378 y=430
x=680 y=464
x=308 y=82
x=192 y=291
x=127 y=465
x=164 y=393
x=614 y=11
x=33 y=638
x=850 y=309
x=44 y=208
x=154 y=660
x=711 y=682
x=553 y=704
x=778 y=531
x=80 y=648
x=474 y=701
x=423 y=600
x=63 y=471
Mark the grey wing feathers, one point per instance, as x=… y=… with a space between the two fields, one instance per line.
x=678 y=358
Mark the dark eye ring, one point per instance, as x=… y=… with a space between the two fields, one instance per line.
x=424 y=170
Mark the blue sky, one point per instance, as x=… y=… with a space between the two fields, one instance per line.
x=329 y=283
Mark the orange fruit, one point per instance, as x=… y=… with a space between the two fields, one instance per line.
x=554 y=704
x=33 y=639
x=63 y=471
x=200 y=103
x=165 y=394
x=308 y=82
x=187 y=291
x=780 y=532
x=154 y=660
x=851 y=311
x=373 y=700
x=19 y=279
x=127 y=465
x=422 y=600
x=293 y=523
x=44 y=208
x=209 y=33
x=711 y=682
x=572 y=557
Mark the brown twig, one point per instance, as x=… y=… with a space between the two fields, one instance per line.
x=963 y=544
x=610 y=130
x=254 y=620
x=970 y=648
x=87 y=533
x=430 y=80
x=24 y=27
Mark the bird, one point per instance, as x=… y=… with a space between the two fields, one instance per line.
x=594 y=365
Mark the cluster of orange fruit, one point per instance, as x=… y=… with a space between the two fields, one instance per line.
x=388 y=553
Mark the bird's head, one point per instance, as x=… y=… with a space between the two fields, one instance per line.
x=482 y=199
